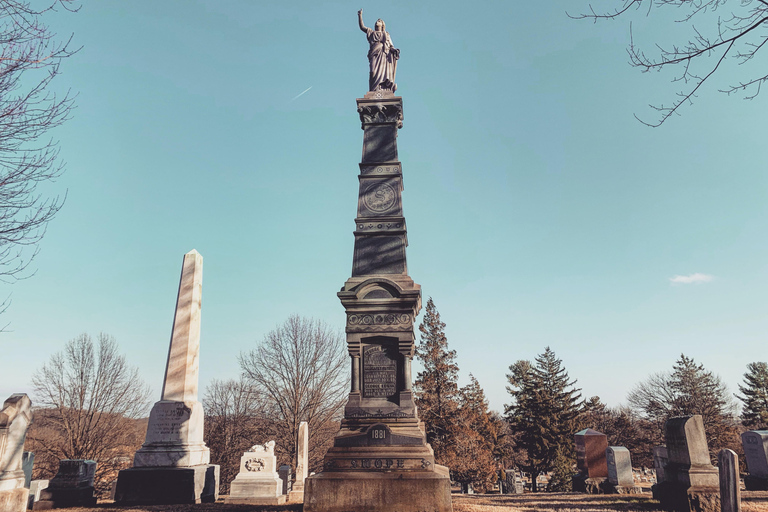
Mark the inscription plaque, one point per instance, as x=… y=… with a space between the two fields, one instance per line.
x=379 y=373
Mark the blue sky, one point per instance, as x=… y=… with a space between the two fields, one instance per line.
x=540 y=212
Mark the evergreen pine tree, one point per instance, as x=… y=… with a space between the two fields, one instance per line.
x=544 y=411
x=436 y=388
x=754 y=395
x=472 y=457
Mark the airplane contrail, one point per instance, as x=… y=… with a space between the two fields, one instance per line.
x=302 y=93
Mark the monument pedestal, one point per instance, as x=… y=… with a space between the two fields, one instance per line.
x=14 y=500
x=379 y=491
x=165 y=486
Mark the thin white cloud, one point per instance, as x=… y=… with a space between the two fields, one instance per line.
x=302 y=93
x=693 y=278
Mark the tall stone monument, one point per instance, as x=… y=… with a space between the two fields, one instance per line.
x=302 y=464
x=15 y=417
x=380 y=460
x=172 y=466
x=691 y=482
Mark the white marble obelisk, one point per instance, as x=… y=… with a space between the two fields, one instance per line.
x=302 y=464
x=175 y=431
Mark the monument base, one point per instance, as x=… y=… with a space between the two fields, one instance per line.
x=276 y=500
x=166 y=486
x=296 y=496
x=428 y=491
x=755 y=483
x=609 y=488
x=581 y=483
x=14 y=500
x=676 y=497
x=65 y=498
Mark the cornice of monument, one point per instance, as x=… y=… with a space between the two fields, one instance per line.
x=380 y=111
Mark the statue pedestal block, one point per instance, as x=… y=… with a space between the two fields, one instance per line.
x=374 y=491
x=14 y=500
x=165 y=486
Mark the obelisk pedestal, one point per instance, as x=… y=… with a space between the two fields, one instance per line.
x=380 y=460
x=172 y=466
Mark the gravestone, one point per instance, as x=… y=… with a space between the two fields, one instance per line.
x=302 y=464
x=71 y=487
x=755 y=444
x=27 y=464
x=691 y=482
x=15 y=417
x=380 y=460
x=172 y=466
x=257 y=483
x=35 y=488
x=285 y=475
x=660 y=459
x=590 y=461
x=513 y=483
x=730 y=485
x=620 y=478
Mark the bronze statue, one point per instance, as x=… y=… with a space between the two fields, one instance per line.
x=382 y=56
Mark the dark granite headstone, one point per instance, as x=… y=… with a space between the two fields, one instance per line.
x=590 y=453
x=755 y=444
x=71 y=487
x=691 y=482
x=660 y=459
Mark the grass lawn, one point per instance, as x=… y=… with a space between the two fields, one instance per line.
x=540 y=502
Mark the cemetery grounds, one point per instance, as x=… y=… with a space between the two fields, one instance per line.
x=751 y=501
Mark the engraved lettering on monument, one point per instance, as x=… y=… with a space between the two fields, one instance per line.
x=379 y=373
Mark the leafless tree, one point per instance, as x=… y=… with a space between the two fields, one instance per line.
x=88 y=400
x=738 y=31
x=301 y=369
x=30 y=57
x=235 y=420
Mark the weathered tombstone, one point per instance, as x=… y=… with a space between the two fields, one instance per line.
x=620 y=477
x=172 y=466
x=590 y=461
x=285 y=475
x=691 y=482
x=27 y=464
x=71 y=487
x=513 y=483
x=755 y=443
x=35 y=487
x=257 y=483
x=380 y=460
x=730 y=485
x=660 y=459
x=15 y=417
x=302 y=462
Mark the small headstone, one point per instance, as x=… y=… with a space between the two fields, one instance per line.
x=15 y=417
x=71 y=487
x=258 y=482
x=590 y=460
x=619 y=466
x=660 y=459
x=285 y=475
x=302 y=462
x=755 y=444
x=730 y=487
x=35 y=487
x=691 y=482
x=513 y=483
x=27 y=463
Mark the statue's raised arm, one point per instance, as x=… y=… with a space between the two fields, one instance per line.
x=382 y=56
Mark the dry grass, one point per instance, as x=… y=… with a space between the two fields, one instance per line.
x=576 y=502
x=540 y=502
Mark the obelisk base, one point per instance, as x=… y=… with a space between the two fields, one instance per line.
x=166 y=486
x=14 y=500
x=379 y=491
